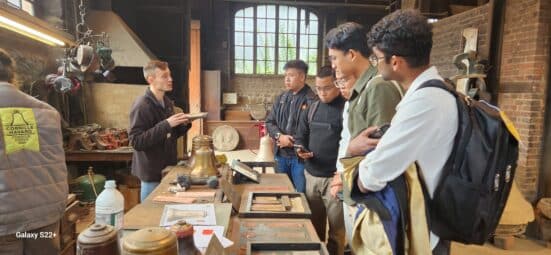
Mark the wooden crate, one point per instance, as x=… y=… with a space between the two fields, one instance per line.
x=294 y=206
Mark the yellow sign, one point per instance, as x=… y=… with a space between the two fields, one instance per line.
x=19 y=129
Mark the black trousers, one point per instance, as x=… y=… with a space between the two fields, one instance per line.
x=442 y=248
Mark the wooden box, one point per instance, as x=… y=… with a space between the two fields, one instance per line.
x=275 y=205
x=268 y=183
x=236 y=115
x=284 y=248
x=271 y=230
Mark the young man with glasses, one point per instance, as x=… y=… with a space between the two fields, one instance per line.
x=319 y=132
x=426 y=120
x=372 y=100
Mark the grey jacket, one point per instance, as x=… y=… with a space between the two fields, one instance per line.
x=33 y=184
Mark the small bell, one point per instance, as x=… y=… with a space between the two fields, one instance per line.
x=265 y=151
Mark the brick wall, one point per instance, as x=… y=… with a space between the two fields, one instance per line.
x=448 y=40
x=252 y=89
x=523 y=82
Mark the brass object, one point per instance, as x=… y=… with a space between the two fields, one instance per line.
x=151 y=241
x=98 y=239
x=198 y=142
x=186 y=244
x=204 y=163
x=265 y=151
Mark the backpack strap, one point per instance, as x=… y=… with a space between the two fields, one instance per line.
x=312 y=110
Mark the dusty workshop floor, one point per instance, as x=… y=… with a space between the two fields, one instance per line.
x=521 y=247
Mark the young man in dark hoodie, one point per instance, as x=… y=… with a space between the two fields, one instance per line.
x=319 y=132
x=154 y=128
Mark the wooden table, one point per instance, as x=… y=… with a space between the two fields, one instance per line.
x=149 y=212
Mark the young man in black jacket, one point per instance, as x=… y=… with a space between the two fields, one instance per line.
x=319 y=132
x=282 y=122
x=154 y=128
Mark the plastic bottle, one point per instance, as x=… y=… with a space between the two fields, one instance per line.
x=110 y=206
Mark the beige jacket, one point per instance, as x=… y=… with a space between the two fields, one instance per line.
x=33 y=184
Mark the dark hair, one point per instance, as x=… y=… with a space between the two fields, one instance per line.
x=404 y=33
x=6 y=67
x=296 y=64
x=348 y=36
x=325 y=71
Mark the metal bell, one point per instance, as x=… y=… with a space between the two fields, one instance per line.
x=204 y=163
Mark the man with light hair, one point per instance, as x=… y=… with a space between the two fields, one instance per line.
x=154 y=128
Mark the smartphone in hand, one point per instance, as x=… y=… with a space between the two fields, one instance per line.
x=301 y=148
x=379 y=132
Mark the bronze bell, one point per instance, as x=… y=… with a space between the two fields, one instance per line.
x=198 y=142
x=204 y=163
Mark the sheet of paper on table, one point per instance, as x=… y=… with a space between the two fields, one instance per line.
x=195 y=214
x=203 y=234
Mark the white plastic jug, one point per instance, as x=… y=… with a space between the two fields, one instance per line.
x=110 y=206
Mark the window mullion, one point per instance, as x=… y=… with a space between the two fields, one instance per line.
x=276 y=53
x=255 y=34
x=297 y=56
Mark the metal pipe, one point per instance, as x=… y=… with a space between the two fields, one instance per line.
x=300 y=3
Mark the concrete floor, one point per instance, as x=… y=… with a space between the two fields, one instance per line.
x=521 y=247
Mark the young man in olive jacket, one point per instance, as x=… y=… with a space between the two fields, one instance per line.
x=154 y=128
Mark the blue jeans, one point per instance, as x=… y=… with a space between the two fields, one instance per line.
x=146 y=189
x=294 y=169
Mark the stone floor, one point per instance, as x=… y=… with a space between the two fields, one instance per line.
x=521 y=247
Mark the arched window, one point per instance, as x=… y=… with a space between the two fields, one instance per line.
x=267 y=36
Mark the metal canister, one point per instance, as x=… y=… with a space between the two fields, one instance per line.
x=186 y=243
x=90 y=185
x=151 y=241
x=98 y=239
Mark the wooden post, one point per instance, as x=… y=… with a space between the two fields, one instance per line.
x=195 y=80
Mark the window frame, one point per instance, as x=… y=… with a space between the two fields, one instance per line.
x=276 y=57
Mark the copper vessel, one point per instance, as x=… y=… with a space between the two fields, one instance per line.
x=186 y=244
x=151 y=241
x=98 y=239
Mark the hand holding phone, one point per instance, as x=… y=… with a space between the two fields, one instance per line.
x=379 y=132
x=301 y=148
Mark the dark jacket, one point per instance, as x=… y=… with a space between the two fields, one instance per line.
x=321 y=135
x=33 y=183
x=285 y=113
x=152 y=138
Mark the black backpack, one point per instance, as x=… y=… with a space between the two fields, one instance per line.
x=477 y=177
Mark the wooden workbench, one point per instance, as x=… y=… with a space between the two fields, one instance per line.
x=148 y=213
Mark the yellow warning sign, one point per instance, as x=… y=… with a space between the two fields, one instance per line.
x=19 y=129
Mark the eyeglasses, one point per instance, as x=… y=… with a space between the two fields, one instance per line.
x=324 y=89
x=340 y=83
x=374 y=60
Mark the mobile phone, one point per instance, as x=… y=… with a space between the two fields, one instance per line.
x=379 y=132
x=300 y=147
